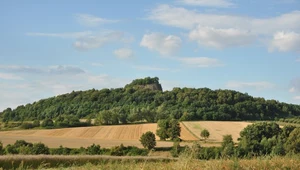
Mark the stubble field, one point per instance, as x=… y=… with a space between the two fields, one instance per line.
x=109 y=136
x=217 y=129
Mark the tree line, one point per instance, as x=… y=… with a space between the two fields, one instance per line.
x=258 y=139
x=129 y=104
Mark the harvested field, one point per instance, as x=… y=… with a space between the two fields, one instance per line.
x=217 y=129
x=105 y=136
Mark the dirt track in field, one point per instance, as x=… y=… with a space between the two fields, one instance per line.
x=217 y=129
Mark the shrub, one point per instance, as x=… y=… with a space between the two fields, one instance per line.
x=26 y=125
x=47 y=123
x=148 y=140
x=40 y=148
x=204 y=134
x=93 y=150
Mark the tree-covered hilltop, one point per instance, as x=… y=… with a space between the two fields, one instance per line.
x=131 y=104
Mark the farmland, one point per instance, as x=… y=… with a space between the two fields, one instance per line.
x=109 y=136
x=217 y=129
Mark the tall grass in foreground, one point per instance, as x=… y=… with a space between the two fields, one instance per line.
x=146 y=163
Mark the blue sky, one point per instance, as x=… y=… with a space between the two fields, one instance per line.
x=52 y=47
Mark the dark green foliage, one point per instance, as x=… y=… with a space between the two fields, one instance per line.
x=292 y=144
x=175 y=151
x=162 y=131
x=11 y=125
x=174 y=130
x=11 y=149
x=168 y=128
x=36 y=123
x=69 y=121
x=179 y=103
x=259 y=138
x=227 y=146
x=144 y=81
x=26 y=125
x=127 y=151
x=208 y=153
x=47 y=123
x=286 y=130
x=294 y=120
x=61 y=151
x=148 y=140
x=1 y=148
x=40 y=148
x=204 y=134
x=93 y=150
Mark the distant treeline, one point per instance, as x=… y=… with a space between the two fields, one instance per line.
x=129 y=104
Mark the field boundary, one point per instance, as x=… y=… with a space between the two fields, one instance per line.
x=53 y=161
x=190 y=131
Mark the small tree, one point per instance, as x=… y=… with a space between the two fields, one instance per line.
x=227 y=146
x=162 y=131
x=148 y=140
x=204 y=134
x=174 y=130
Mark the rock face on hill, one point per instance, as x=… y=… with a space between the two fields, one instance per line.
x=146 y=83
x=155 y=86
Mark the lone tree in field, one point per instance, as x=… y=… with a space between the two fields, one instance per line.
x=204 y=134
x=148 y=140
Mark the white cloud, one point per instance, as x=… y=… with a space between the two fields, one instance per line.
x=201 y=61
x=164 y=44
x=91 y=20
x=257 y=85
x=124 y=53
x=74 y=35
x=188 y=19
x=285 y=41
x=210 y=3
x=296 y=98
x=97 y=41
x=221 y=38
x=54 y=70
x=298 y=60
x=89 y=40
x=292 y=90
x=8 y=76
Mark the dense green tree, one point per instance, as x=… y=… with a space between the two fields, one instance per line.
x=292 y=144
x=227 y=146
x=148 y=140
x=205 y=134
x=162 y=130
x=174 y=129
x=259 y=138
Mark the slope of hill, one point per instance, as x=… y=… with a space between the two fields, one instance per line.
x=138 y=102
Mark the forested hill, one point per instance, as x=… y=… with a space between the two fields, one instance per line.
x=144 y=100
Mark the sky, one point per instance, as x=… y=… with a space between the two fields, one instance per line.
x=53 y=47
